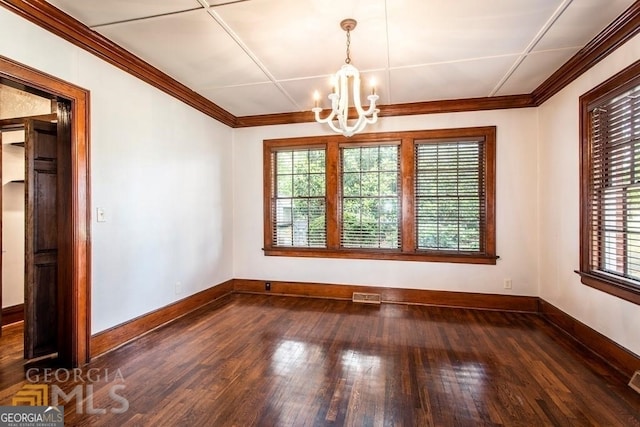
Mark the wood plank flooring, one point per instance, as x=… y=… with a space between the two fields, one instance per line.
x=255 y=360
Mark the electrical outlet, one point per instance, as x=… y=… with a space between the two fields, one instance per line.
x=178 y=288
x=267 y=286
x=508 y=283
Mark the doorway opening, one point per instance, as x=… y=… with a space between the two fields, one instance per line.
x=57 y=213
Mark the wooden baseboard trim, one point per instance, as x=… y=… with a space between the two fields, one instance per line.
x=612 y=353
x=119 y=335
x=13 y=314
x=393 y=295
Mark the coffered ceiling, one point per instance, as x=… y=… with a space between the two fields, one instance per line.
x=254 y=57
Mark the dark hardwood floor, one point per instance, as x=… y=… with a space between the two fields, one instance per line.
x=282 y=361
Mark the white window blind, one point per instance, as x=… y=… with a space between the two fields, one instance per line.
x=450 y=195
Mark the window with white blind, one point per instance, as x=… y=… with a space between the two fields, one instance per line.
x=420 y=196
x=610 y=191
x=299 y=197
x=450 y=202
x=370 y=208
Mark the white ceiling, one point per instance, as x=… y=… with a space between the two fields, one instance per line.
x=268 y=56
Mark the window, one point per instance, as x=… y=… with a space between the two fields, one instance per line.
x=299 y=198
x=610 y=186
x=422 y=196
x=449 y=199
x=370 y=199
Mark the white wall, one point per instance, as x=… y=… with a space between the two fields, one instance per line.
x=516 y=214
x=559 y=210
x=160 y=170
x=12 y=220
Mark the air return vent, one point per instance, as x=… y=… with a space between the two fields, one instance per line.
x=366 y=298
x=635 y=381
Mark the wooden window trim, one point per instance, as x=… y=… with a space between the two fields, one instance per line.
x=618 y=286
x=407 y=251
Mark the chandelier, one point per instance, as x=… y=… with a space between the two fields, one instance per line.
x=345 y=82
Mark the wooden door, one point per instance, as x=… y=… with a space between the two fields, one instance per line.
x=1 y=245
x=41 y=239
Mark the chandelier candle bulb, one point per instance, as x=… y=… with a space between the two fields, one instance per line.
x=373 y=86
x=316 y=99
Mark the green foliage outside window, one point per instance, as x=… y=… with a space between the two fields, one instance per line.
x=300 y=198
x=370 y=197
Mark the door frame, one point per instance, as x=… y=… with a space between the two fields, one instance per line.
x=80 y=192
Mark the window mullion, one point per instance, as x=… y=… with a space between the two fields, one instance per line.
x=332 y=196
x=407 y=195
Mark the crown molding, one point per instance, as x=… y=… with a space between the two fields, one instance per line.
x=408 y=109
x=621 y=30
x=43 y=14
x=59 y=23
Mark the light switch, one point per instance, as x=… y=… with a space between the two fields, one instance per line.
x=100 y=216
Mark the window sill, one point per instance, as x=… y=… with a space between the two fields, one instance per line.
x=620 y=288
x=383 y=255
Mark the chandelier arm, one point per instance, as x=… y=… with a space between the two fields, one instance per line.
x=336 y=129
x=343 y=107
x=358 y=125
x=372 y=106
x=334 y=102
x=342 y=122
x=356 y=95
x=317 y=110
x=356 y=91
x=327 y=119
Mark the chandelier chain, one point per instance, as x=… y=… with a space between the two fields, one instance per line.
x=348 y=60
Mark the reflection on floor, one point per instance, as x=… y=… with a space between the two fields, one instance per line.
x=282 y=361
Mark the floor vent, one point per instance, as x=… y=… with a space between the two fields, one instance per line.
x=365 y=298
x=635 y=381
